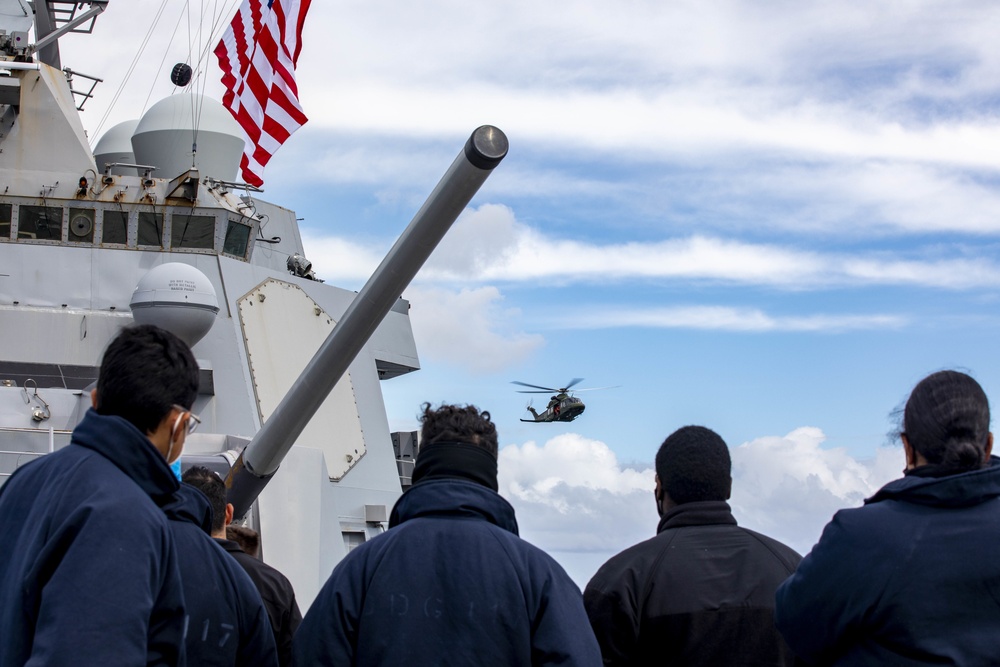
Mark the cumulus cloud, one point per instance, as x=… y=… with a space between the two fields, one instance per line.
x=572 y=494
x=789 y=487
x=574 y=498
x=469 y=328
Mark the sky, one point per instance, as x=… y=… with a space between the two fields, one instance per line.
x=768 y=218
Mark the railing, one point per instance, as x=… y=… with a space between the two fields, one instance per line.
x=22 y=446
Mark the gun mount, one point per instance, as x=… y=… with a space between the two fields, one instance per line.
x=260 y=459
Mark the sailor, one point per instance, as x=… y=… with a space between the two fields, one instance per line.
x=88 y=570
x=450 y=582
x=701 y=592
x=274 y=588
x=227 y=622
x=911 y=577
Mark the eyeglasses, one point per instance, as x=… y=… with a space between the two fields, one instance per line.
x=193 y=422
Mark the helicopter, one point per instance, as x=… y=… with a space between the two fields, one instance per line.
x=562 y=407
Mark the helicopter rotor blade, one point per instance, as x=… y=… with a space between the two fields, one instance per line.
x=572 y=382
x=596 y=388
x=533 y=391
x=535 y=386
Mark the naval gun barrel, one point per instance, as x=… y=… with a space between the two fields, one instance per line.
x=260 y=459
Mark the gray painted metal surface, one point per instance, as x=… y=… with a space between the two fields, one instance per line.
x=74 y=244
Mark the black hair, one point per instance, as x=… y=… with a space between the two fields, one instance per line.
x=144 y=373
x=456 y=423
x=947 y=420
x=693 y=465
x=209 y=483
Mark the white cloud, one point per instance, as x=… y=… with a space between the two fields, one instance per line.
x=575 y=499
x=338 y=260
x=723 y=318
x=685 y=77
x=789 y=487
x=488 y=244
x=469 y=328
x=571 y=494
x=479 y=238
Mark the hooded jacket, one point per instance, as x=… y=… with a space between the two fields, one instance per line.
x=88 y=570
x=910 y=578
x=227 y=622
x=450 y=583
x=699 y=593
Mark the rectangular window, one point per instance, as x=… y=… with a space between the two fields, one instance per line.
x=192 y=231
x=150 y=229
x=5 y=218
x=40 y=223
x=237 y=239
x=81 y=225
x=115 y=228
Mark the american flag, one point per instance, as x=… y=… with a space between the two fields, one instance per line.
x=257 y=55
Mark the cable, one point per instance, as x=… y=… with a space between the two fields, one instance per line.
x=131 y=68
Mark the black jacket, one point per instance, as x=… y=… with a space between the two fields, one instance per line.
x=227 y=623
x=88 y=569
x=699 y=593
x=450 y=583
x=911 y=578
x=278 y=596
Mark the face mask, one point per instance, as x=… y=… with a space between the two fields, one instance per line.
x=175 y=467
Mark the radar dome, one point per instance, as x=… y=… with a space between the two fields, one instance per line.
x=166 y=133
x=176 y=297
x=116 y=146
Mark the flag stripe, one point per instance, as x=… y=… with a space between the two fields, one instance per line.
x=257 y=56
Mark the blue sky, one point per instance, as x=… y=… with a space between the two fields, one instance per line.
x=772 y=219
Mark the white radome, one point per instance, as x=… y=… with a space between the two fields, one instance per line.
x=176 y=297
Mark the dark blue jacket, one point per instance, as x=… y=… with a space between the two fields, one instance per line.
x=911 y=578
x=227 y=622
x=450 y=583
x=88 y=571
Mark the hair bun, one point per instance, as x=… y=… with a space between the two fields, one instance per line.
x=963 y=454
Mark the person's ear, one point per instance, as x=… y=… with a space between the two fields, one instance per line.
x=989 y=448
x=229 y=513
x=93 y=397
x=911 y=457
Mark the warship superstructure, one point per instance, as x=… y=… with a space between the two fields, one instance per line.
x=136 y=230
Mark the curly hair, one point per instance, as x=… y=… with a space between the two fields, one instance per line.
x=458 y=423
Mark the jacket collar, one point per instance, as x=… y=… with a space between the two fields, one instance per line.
x=117 y=440
x=703 y=513
x=453 y=498
x=229 y=546
x=962 y=490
